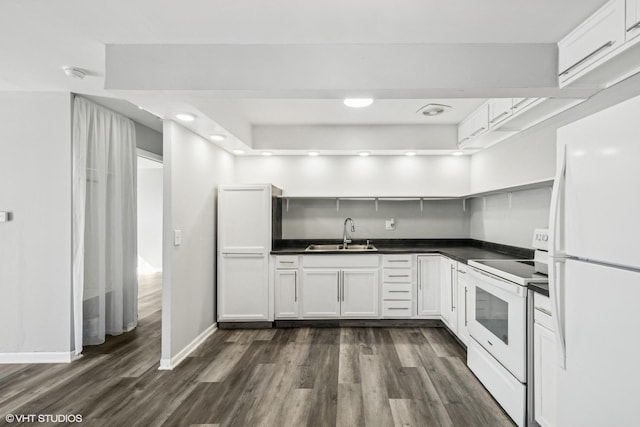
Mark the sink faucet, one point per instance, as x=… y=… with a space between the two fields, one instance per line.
x=346 y=238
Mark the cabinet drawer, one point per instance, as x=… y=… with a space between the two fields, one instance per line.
x=397 y=275
x=396 y=308
x=397 y=261
x=287 y=261
x=595 y=38
x=542 y=311
x=396 y=291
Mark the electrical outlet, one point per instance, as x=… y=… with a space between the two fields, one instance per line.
x=5 y=216
x=390 y=224
x=177 y=237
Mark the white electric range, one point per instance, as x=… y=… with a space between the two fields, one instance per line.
x=497 y=352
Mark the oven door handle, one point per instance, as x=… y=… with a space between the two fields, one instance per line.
x=500 y=283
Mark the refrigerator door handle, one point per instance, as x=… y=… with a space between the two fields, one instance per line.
x=555 y=293
x=554 y=211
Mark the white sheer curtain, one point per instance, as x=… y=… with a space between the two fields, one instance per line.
x=104 y=226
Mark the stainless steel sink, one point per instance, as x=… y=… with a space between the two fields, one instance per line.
x=341 y=248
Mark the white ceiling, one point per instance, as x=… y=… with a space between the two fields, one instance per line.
x=37 y=37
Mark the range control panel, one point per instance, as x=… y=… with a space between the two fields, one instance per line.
x=541 y=239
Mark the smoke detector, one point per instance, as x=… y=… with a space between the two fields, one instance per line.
x=74 y=72
x=430 y=110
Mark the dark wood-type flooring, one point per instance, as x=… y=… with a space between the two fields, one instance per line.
x=267 y=377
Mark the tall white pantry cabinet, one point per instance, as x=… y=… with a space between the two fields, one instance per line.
x=245 y=233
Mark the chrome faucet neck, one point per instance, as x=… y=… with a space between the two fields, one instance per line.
x=346 y=238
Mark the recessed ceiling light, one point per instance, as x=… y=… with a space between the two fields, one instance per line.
x=313 y=153
x=363 y=153
x=457 y=153
x=218 y=137
x=238 y=152
x=267 y=153
x=431 y=110
x=74 y=72
x=358 y=102
x=410 y=153
x=185 y=117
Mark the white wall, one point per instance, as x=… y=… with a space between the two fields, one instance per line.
x=149 y=216
x=319 y=218
x=346 y=176
x=493 y=220
x=193 y=169
x=35 y=248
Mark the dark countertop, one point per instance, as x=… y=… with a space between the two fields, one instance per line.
x=541 y=288
x=461 y=250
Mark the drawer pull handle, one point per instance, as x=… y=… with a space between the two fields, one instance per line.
x=397 y=308
x=634 y=26
x=285 y=262
x=398 y=275
x=544 y=310
x=598 y=50
x=400 y=291
x=398 y=260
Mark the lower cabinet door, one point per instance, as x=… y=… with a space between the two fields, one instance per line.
x=429 y=285
x=544 y=375
x=243 y=287
x=359 y=293
x=287 y=295
x=320 y=293
x=463 y=314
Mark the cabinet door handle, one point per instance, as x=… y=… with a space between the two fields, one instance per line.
x=516 y=106
x=420 y=275
x=339 y=275
x=598 y=50
x=342 y=286
x=451 y=275
x=295 y=286
x=634 y=26
x=499 y=117
x=465 y=306
x=477 y=132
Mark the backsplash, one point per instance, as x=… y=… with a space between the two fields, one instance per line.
x=320 y=219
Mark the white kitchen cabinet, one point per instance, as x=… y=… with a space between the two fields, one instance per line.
x=287 y=294
x=449 y=293
x=398 y=283
x=244 y=286
x=596 y=38
x=340 y=286
x=359 y=293
x=462 y=310
x=544 y=363
x=320 y=293
x=632 y=25
x=429 y=285
x=243 y=293
x=521 y=104
x=476 y=124
x=500 y=109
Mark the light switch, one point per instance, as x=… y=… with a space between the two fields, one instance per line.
x=177 y=237
x=5 y=216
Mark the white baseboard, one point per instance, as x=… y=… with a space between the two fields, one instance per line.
x=169 y=364
x=39 y=357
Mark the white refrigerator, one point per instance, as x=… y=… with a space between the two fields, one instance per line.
x=247 y=224
x=594 y=269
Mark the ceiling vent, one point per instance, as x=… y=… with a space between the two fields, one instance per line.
x=430 y=110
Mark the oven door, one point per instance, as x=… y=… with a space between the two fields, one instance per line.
x=498 y=313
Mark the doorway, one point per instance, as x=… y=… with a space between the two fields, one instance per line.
x=149 y=204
